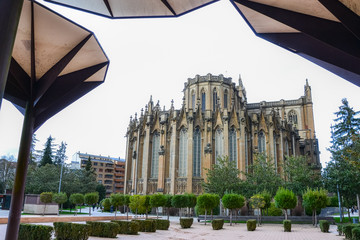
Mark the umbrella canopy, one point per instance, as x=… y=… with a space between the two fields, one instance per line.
x=54 y=62
x=326 y=32
x=135 y=8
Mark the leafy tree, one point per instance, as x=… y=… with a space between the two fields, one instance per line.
x=146 y=204
x=117 y=200
x=167 y=204
x=215 y=200
x=315 y=200
x=126 y=204
x=207 y=202
x=90 y=199
x=179 y=201
x=285 y=199
x=233 y=201
x=222 y=177
x=34 y=154
x=267 y=198
x=106 y=203
x=46 y=197
x=88 y=168
x=47 y=157
x=258 y=202
x=157 y=200
x=191 y=201
x=136 y=203
x=7 y=172
x=60 y=154
x=101 y=190
x=76 y=199
x=60 y=198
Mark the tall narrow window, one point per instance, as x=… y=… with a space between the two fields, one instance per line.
x=214 y=99
x=286 y=148
x=261 y=142
x=275 y=152
x=203 y=101
x=133 y=160
x=197 y=153
x=232 y=145
x=172 y=156
x=144 y=158
x=225 y=99
x=293 y=117
x=183 y=153
x=155 y=155
x=246 y=152
x=219 y=144
x=193 y=100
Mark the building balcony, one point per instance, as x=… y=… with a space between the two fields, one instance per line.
x=118 y=174
x=119 y=185
x=118 y=180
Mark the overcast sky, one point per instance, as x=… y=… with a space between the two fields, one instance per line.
x=156 y=56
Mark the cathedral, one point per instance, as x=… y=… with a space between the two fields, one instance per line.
x=168 y=151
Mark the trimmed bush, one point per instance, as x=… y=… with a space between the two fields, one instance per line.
x=217 y=224
x=355 y=232
x=103 y=229
x=347 y=230
x=251 y=224
x=339 y=229
x=186 y=222
x=324 y=225
x=274 y=211
x=128 y=227
x=162 y=224
x=146 y=225
x=35 y=232
x=71 y=231
x=287 y=225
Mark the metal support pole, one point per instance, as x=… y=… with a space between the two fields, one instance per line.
x=20 y=175
x=10 y=11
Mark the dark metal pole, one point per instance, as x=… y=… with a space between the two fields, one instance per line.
x=10 y=11
x=20 y=175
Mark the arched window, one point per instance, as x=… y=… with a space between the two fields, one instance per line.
x=144 y=156
x=286 y=148
x=261 y=142
x=225 y=99
x=232 y=145
x=183 y=153
x=155 y=155
x=293 y=117
x=172 y=156
x=219 y=144
x=203 y=101
x=214 y=99
x=133 y=161
x=197 y=153
x=275 y=152
x=193 y=100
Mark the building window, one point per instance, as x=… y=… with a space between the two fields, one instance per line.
x=219 y=144
x=232 y=145
x=197 y=153
x=100 y=176
x=100 y=169
x=193 y=100
x=286 y=148
x=144 y=156
x=95 y=169
x=183 y=153
x=293 y=117
x=203 y=101
x=155 y=155
x=100 y=181
x=225 y=99
x=275 y=153
x=95 y=163
x=172 y=156
x=101 y=164
x=214 y=99
x=246 y=152
x=261 y=142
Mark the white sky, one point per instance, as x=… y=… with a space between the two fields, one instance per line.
x=156 y=56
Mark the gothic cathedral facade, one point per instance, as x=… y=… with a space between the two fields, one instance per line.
x=168 y=151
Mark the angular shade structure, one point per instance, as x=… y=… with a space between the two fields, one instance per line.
x=326 y=32
x=135 y=8
x=54 y=63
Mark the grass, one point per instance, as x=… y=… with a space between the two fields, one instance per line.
x=345 y=219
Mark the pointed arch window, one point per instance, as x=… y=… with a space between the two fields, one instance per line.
x=215 y=99
x=172 y=156
x=293 y=117
x=261 y=142
x=155 y=155
x=183 y=152
x=193 y=100
x=275 y=151
x=225 y=99
x=144 y=156
x=232 y=145
x=133 y=161
x=219 y=144
x=197 y=153
x=286 y=148
x=203 y=101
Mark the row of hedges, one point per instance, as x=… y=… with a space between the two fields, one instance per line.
x=351 y=231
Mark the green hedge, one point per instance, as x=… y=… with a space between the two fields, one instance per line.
x=71 y=231
x=35 y=232
x=340 y=229
x=355 y=232
x=162 y=224
x=217 y=224
x=274 y=211
x=251 y=224
x=146 y=225
x=324 y=225
x=103 y=229
x=347 y=230
x=287 y=225
x=127 y=227
x=186 y=222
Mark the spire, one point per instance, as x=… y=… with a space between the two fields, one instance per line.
x=307 y=92
x=240 y=82
x=172 y=103
x=142 y=112
x=135 y=116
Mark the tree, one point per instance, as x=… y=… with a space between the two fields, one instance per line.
x=60 y=154
x=88 y=167
x=7 y=172
x=267 y=198
x=205 y=201
x=135 y=203
x=167 y=204
x=34 y=154
x=126 y=204
x=46 y=197
x=157 y=200
x=315 y=200
x=90 y=199
x=101 y=190
x=258 y=202
x=145 y=199
x=106 y=203
x=117 y=200
x=191 y=201
x=47 y=157
x=76 y=199
x=233 y=201
x=285 y=199
x=179 y=201
x=60 y=198
x=223 y=177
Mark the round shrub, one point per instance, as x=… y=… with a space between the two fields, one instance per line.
x=162 y=224
x=186 y=222
x=308 y=211
x=340 y=229
x=274 y=211
x=251 y=224
x=355 y=232
x=217 y=224
x=287 y=225
x=324 y=225
x=347 y=230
